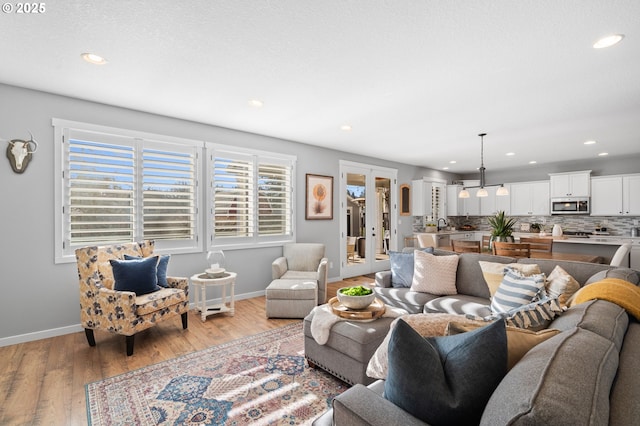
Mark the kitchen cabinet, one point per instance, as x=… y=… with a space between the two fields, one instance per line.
x=468 y=236
x=462 y=206
x=493 y=203
x=421 y=202
x=454 y=204
x=615 y=195
x=529 y=198
x=428 y=198
x=571 y=184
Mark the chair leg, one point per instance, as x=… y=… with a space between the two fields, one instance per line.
x=90 y=337
x=130 y=345
x=184 y=320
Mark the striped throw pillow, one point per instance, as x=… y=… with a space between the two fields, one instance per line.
x=516 y=290
x=535 y=315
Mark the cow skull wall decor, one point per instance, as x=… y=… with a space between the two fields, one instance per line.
x=19 y=153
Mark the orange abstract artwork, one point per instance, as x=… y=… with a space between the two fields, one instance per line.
x=319 y=200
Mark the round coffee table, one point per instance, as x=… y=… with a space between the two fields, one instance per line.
x=202 y=281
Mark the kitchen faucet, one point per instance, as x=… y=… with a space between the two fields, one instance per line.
x=438 y=224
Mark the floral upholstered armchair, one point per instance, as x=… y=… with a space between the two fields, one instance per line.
x=102 y=307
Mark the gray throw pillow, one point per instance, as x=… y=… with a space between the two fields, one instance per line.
x=402 y=264
x=621 y=273
x=445 y=380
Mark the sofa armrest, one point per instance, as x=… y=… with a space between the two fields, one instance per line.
x=322 y=280
x=360 y=405
x=278 y=268
x=383 y=279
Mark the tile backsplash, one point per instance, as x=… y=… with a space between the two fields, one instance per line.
x=616 y=225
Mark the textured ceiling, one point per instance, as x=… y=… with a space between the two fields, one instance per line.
x=416 y=80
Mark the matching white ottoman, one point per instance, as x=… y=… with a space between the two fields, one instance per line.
x=291 y=298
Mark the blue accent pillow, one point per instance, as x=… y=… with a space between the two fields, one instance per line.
x=163 y=264
x=137 y=275
x=445 y=380
x=402 y=265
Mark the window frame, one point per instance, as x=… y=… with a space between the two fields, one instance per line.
x=64 y=251
x=258 y=156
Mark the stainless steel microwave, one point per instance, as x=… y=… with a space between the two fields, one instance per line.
x=575 y=205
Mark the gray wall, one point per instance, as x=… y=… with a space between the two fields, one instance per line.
x=38 y=295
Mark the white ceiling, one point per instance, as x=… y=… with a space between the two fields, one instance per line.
x=417 y=80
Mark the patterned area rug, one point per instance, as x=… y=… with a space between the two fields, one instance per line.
x=261 y=379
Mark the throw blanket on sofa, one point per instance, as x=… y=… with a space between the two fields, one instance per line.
x=614 y=290
x=324 y=318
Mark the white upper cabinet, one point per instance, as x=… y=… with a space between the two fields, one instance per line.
x=529 y=198
x=462 y=206
x=455 y=205
x=572 y=184
x=615 y=195
x=421 y=204
x=428 y=198
x=492 y=204
x=631 y=195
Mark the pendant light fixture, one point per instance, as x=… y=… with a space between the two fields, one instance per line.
x=482 y=192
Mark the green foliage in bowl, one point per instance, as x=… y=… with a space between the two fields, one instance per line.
x=357 y=297
x=358 y=290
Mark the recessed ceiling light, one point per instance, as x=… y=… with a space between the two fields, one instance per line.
x=346 y=128
x=532 y=162
x=92 y=58
x=590 y=142
x=608 y=41
x=255 y=103
x=509 y=154
x=452 y=162
x=445 y=168
x=603 y=154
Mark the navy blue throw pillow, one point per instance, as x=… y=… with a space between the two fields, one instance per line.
x=137 y=275
x=163 y=264
x=402 y=265
x=445 y=380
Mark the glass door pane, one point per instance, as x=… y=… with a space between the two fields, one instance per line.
x=356 y=201
x=368 y=214
x=381 y=228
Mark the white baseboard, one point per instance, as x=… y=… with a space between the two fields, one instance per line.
x=37 y=335
x=45 y=334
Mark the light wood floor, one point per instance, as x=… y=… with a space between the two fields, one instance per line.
x=42 y=382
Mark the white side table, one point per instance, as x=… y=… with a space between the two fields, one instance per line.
x=202 y=281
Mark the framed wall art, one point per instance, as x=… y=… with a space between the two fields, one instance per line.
x=319 y=197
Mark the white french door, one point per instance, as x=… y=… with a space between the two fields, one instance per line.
x=368 y=215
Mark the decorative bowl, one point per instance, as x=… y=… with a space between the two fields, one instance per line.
x=215 y=272
x=355 y=302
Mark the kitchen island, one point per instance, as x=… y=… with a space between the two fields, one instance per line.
x=603 y=246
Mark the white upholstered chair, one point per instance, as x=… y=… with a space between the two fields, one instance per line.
x=620 y=254
x=303 y=261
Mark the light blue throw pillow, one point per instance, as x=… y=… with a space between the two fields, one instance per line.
x=401 y=269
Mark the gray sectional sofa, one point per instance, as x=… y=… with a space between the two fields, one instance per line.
x=585 y=375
